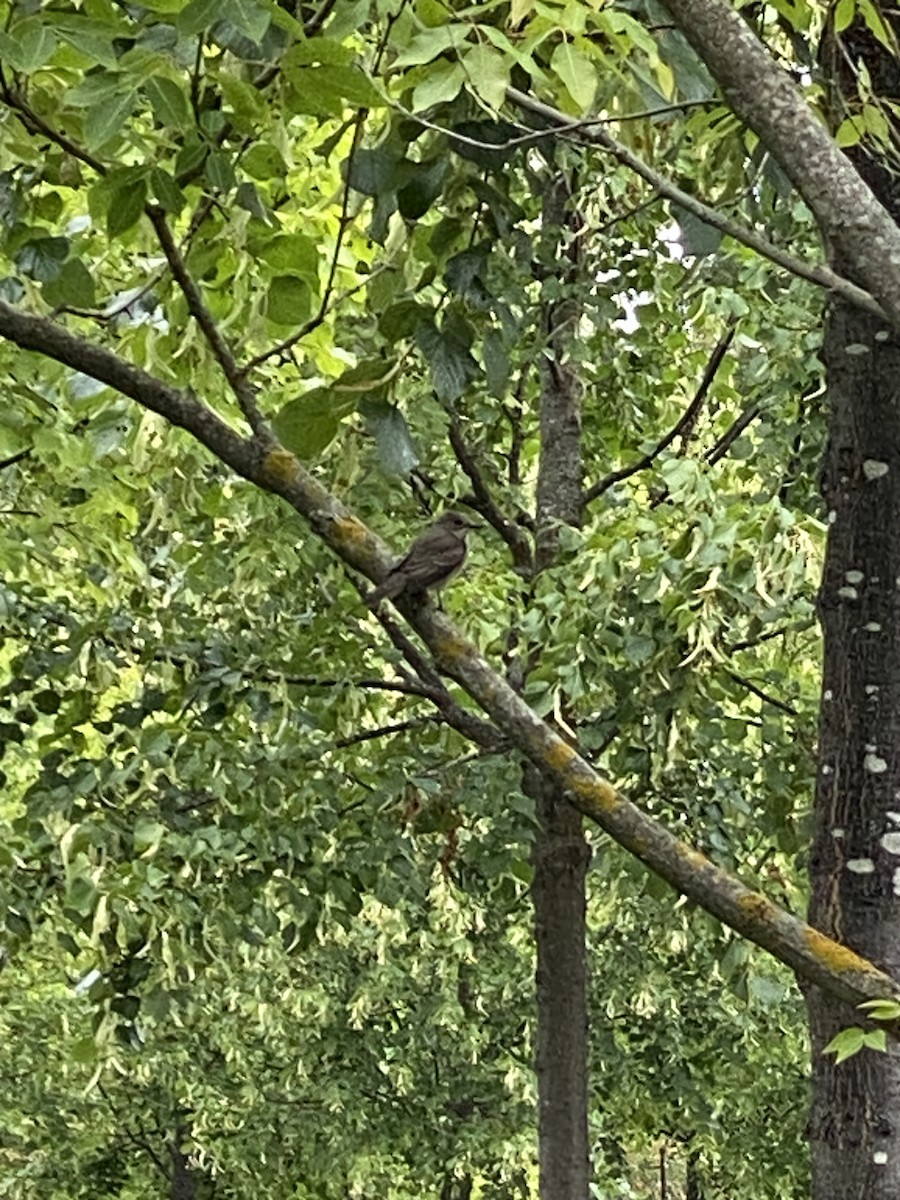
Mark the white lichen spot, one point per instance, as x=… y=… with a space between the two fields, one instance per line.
x=827 y=769
x=874 y=764
x=896 y=879
x=890 y=842
x=872 y=627
x=848 y=593
x=832 y=516
x=880 y=1156
x=872 y=689
x=828 y=694
x=894 y=816
x=882 y=335
x=871 y=747
x=861 y=866
x=837 y=832
x=873 y=469
x=854 y=576
x=856 y=348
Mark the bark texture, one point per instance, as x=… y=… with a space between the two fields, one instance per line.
x=855 y=864
x=560 y=855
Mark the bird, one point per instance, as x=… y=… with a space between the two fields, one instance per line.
x=432 y=560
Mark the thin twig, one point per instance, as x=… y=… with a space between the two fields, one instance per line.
x=731 y=435
x=14 y=458
x=484 y=501
x=243 y=391
x=369 y=735
x=314 y=322
x=684 y=422
x=818 y=274
x=764 y=696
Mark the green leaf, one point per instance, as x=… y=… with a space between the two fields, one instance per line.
x=577 y=72
x=92 y=38
x=401 y=319
x=496 y=363
x=425 y=47
x=168 y=101
x=219 y=170
x=199 y=15
x=846 y=1043
x=166 y=191
x=290 y=254
x=247 y=197
x=148 y=834
x=288 y=301
x=330 y=89
x=697 y=237
x=415 y=199
x=42 y=258
x=488 y=73
x=73 y=286
x=308 y=424
x=33 y=44
x=375 y=172
x=125 y=207
x=440 y=85
x=106 y=117
x=397 y=454
x=264 y=162
x=452 y=366
x=844 y=13
x=249 y=17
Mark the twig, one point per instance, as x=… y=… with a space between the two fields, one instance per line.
x=14 y=458
x=764 y=696
x=731 y=435
x=820 y=275
x=243 y=391
x=287 y=343
x=370 y=735
x=685 y=422
x=484 y=502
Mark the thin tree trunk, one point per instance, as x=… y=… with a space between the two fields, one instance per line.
x=561 y=854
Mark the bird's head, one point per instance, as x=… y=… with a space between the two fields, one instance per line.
x=456 y=522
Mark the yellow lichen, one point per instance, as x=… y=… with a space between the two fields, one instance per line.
x=833 y=954
x=558 y=755
x=596 y=793
x=757 y=906
x=280 y=466
x=350 y=530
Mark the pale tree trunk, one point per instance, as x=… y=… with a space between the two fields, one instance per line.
x=561 y=854
x=855 y=864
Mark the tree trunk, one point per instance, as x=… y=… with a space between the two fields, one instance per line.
x=560 y=854
x=855 y=864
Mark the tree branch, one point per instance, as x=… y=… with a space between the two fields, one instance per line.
x=510 y=531
x=731 y=435
x=685 y=422
x=837 y=969
x=764 y=96
x=243 y=391
x=822 y=276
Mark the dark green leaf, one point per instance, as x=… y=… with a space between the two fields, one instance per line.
x=169 y=102
x=126 y=207
x=288 y=301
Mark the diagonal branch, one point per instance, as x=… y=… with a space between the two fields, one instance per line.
x=762 y=94
x=685 y=422
x=822 y=276
x=820 y=960
x=511 y=532
x=244 y=392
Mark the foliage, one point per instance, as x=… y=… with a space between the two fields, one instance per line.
x=258 y=898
